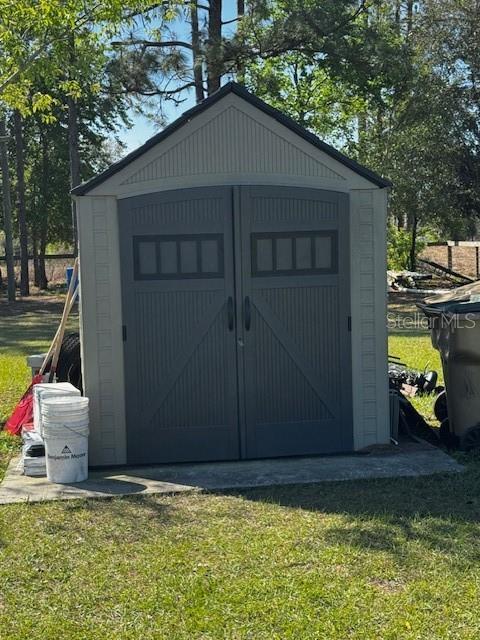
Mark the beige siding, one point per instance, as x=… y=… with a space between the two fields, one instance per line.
x=101 y=327
x=232 y=142
x=369 y=332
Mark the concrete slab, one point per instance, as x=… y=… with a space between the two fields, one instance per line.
x=413 y=460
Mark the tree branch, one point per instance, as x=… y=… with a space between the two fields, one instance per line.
x=224 y=22
x=83 y=19
x=157 y=92
x=152 y=43
x=157 y=5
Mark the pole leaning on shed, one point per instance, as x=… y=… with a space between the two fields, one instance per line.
x=7 y=211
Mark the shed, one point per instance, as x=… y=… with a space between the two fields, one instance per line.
x=233 y=302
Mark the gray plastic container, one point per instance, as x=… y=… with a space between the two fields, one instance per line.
x=455 y=332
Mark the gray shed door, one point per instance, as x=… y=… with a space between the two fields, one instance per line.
x=236 y=311
x=295 y=298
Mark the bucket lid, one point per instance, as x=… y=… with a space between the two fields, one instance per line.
x=56 y=387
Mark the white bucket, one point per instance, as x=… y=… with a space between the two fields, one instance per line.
x=45 y=390
x=66 y=439
x=64 y=404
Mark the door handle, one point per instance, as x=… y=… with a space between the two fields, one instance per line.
x=247 y=313
x=230 y=313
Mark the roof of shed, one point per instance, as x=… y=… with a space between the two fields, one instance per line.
x=232 y=87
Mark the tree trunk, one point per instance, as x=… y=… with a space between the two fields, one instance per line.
x=73 y=145
x=409 y=15
x=413 y=245
x=397 y=14
x=74 y=155
x=7 y=211
x=197 y=55
x=22 y=214
x=214 y=57
x=42 y=276
x=36 y=270
x=361 y=126
x=240 y=64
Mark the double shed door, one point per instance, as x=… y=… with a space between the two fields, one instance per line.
x=236 y=312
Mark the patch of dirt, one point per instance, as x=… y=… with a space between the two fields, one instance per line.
x=387 y=586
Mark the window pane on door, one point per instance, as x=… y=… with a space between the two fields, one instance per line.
x=323 y=252
x=295 y=253
x=147 y=258
x=178 y=256
x=168 y=257
x=188 y=256
x=284 y=254
x=264 y=254
x=303 y=250
x=210 y=258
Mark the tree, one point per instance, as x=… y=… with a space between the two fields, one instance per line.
x=55 y=88
x=449 y=33
x=7 y=211
x=30 y=30
x=34 y=37
x=160 y=58
x=21 y=207
x=396 y=85
x=294 y=84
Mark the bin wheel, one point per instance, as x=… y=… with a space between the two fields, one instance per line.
x=471 y=439
x=447 y=438
x=440 y=407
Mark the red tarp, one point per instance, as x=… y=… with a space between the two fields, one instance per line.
x=23 y=412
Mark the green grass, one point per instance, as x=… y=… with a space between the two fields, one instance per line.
x=416 y=351
x=25 y=328
x=8 y=446
x=385 y=559
x=376 y=559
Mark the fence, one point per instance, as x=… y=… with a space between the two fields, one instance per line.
x=55 y=266
x=460 y=256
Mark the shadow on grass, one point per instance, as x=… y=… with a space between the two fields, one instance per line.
x=437 y=511
x=28 y=338
x=105 y=521
x=31 y=323
x=40 y=306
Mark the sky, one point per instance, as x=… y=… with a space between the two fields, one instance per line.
x=143 y=128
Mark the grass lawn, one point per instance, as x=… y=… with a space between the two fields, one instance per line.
x=372 y=560
x=26 y=327
x=416 y=351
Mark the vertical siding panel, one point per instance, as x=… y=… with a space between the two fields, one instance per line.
x=369 y=328
x=101 y=327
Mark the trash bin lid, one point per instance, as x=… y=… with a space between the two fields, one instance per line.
x=464 y=299
x=459 y=294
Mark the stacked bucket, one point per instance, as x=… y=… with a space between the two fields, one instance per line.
x=65 y=422
x=46 y=390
